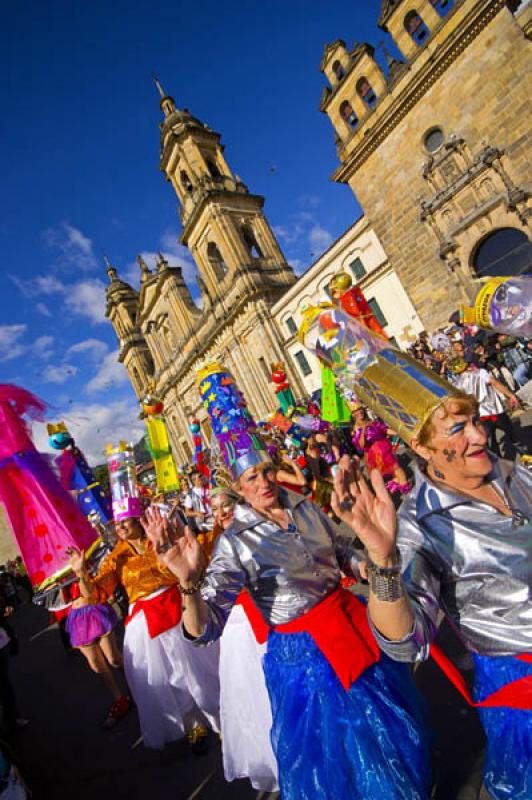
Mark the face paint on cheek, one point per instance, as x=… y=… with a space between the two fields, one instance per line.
x=450 y=455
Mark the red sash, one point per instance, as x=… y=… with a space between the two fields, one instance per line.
x=339 y=627
x=517 y=694
x=162 y=612
x=255 y=618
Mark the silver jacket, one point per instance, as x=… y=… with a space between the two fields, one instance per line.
x=465 y=557
x=286 y=572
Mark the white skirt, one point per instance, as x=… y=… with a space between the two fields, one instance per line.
x=245 y=710
x=174 y=684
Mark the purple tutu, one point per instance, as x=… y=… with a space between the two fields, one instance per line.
x=87 y=624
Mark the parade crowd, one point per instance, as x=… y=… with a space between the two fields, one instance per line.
x=280 y=597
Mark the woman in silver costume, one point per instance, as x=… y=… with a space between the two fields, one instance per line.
x=464 y=538
x=347 y=722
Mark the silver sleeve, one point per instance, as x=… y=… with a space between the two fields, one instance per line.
x=224 y=581
x=421 y=579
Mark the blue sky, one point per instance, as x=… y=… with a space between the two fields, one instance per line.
x=81 y=176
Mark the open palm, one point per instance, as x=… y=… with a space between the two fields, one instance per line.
x=372 y=514
x=175 y=545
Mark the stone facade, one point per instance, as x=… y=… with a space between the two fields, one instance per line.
x=164 y=335
x=437 y=151
x=359 y=253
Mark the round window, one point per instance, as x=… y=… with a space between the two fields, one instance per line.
x=433 y=140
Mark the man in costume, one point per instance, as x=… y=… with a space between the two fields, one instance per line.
x=461 y=542
x=346 y=721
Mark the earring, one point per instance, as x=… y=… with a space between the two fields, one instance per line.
x=438 y=474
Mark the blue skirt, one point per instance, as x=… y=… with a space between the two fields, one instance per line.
x=370 y=743
x=508 y=760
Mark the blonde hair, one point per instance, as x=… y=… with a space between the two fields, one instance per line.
x=458 y=403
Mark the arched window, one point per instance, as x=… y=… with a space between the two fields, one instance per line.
x=338 y=70
x=216 y=260
x=347 y=114
x=250 y=242
x=365 y=91
x=507 y=251
x=416 y=27
x=150 y=366
x=186 y=183
x=137 y=379
x=215 y=173
x=442 y=6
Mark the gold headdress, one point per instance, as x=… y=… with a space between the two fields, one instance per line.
x=396 y=387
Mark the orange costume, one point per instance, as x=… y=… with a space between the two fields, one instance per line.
x=139 y=574
x=174 y=684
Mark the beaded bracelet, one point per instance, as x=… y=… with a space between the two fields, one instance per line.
x=385 y=582
x=196 y=586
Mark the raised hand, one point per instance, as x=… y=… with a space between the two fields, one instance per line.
x=76 y=560
x=175 y=545
x=370 y=514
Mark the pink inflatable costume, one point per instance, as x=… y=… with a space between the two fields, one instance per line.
x=44 y=518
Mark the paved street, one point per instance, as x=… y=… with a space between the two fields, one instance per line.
x=66 y=754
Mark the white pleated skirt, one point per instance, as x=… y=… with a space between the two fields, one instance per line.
x=174 y=684
x=246 y=716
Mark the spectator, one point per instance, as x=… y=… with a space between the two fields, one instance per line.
x=487 y=390
x=10 y=719
x=198 y=504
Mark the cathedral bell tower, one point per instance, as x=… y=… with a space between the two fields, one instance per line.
x=223 y=224
x=122 y=309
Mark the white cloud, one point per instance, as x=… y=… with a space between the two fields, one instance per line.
x=73 y=245
x=175 y=253
x=94 y=425
x=297 y=265
x=309 y=200
x=10 y=345
x=41 y=284
x=87 y=299
x=43 y=309
x=291 y=233
x=319 y=239
x=302 y=228
x=110 y=375
x=42 y=347
x=58 y=373
x=93 y=349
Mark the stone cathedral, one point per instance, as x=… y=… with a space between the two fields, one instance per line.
x=164 y=335
x=437 y=147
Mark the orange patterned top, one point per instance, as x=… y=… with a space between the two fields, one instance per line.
x=139 y=574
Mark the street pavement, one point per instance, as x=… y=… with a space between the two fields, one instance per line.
x=66 y=754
